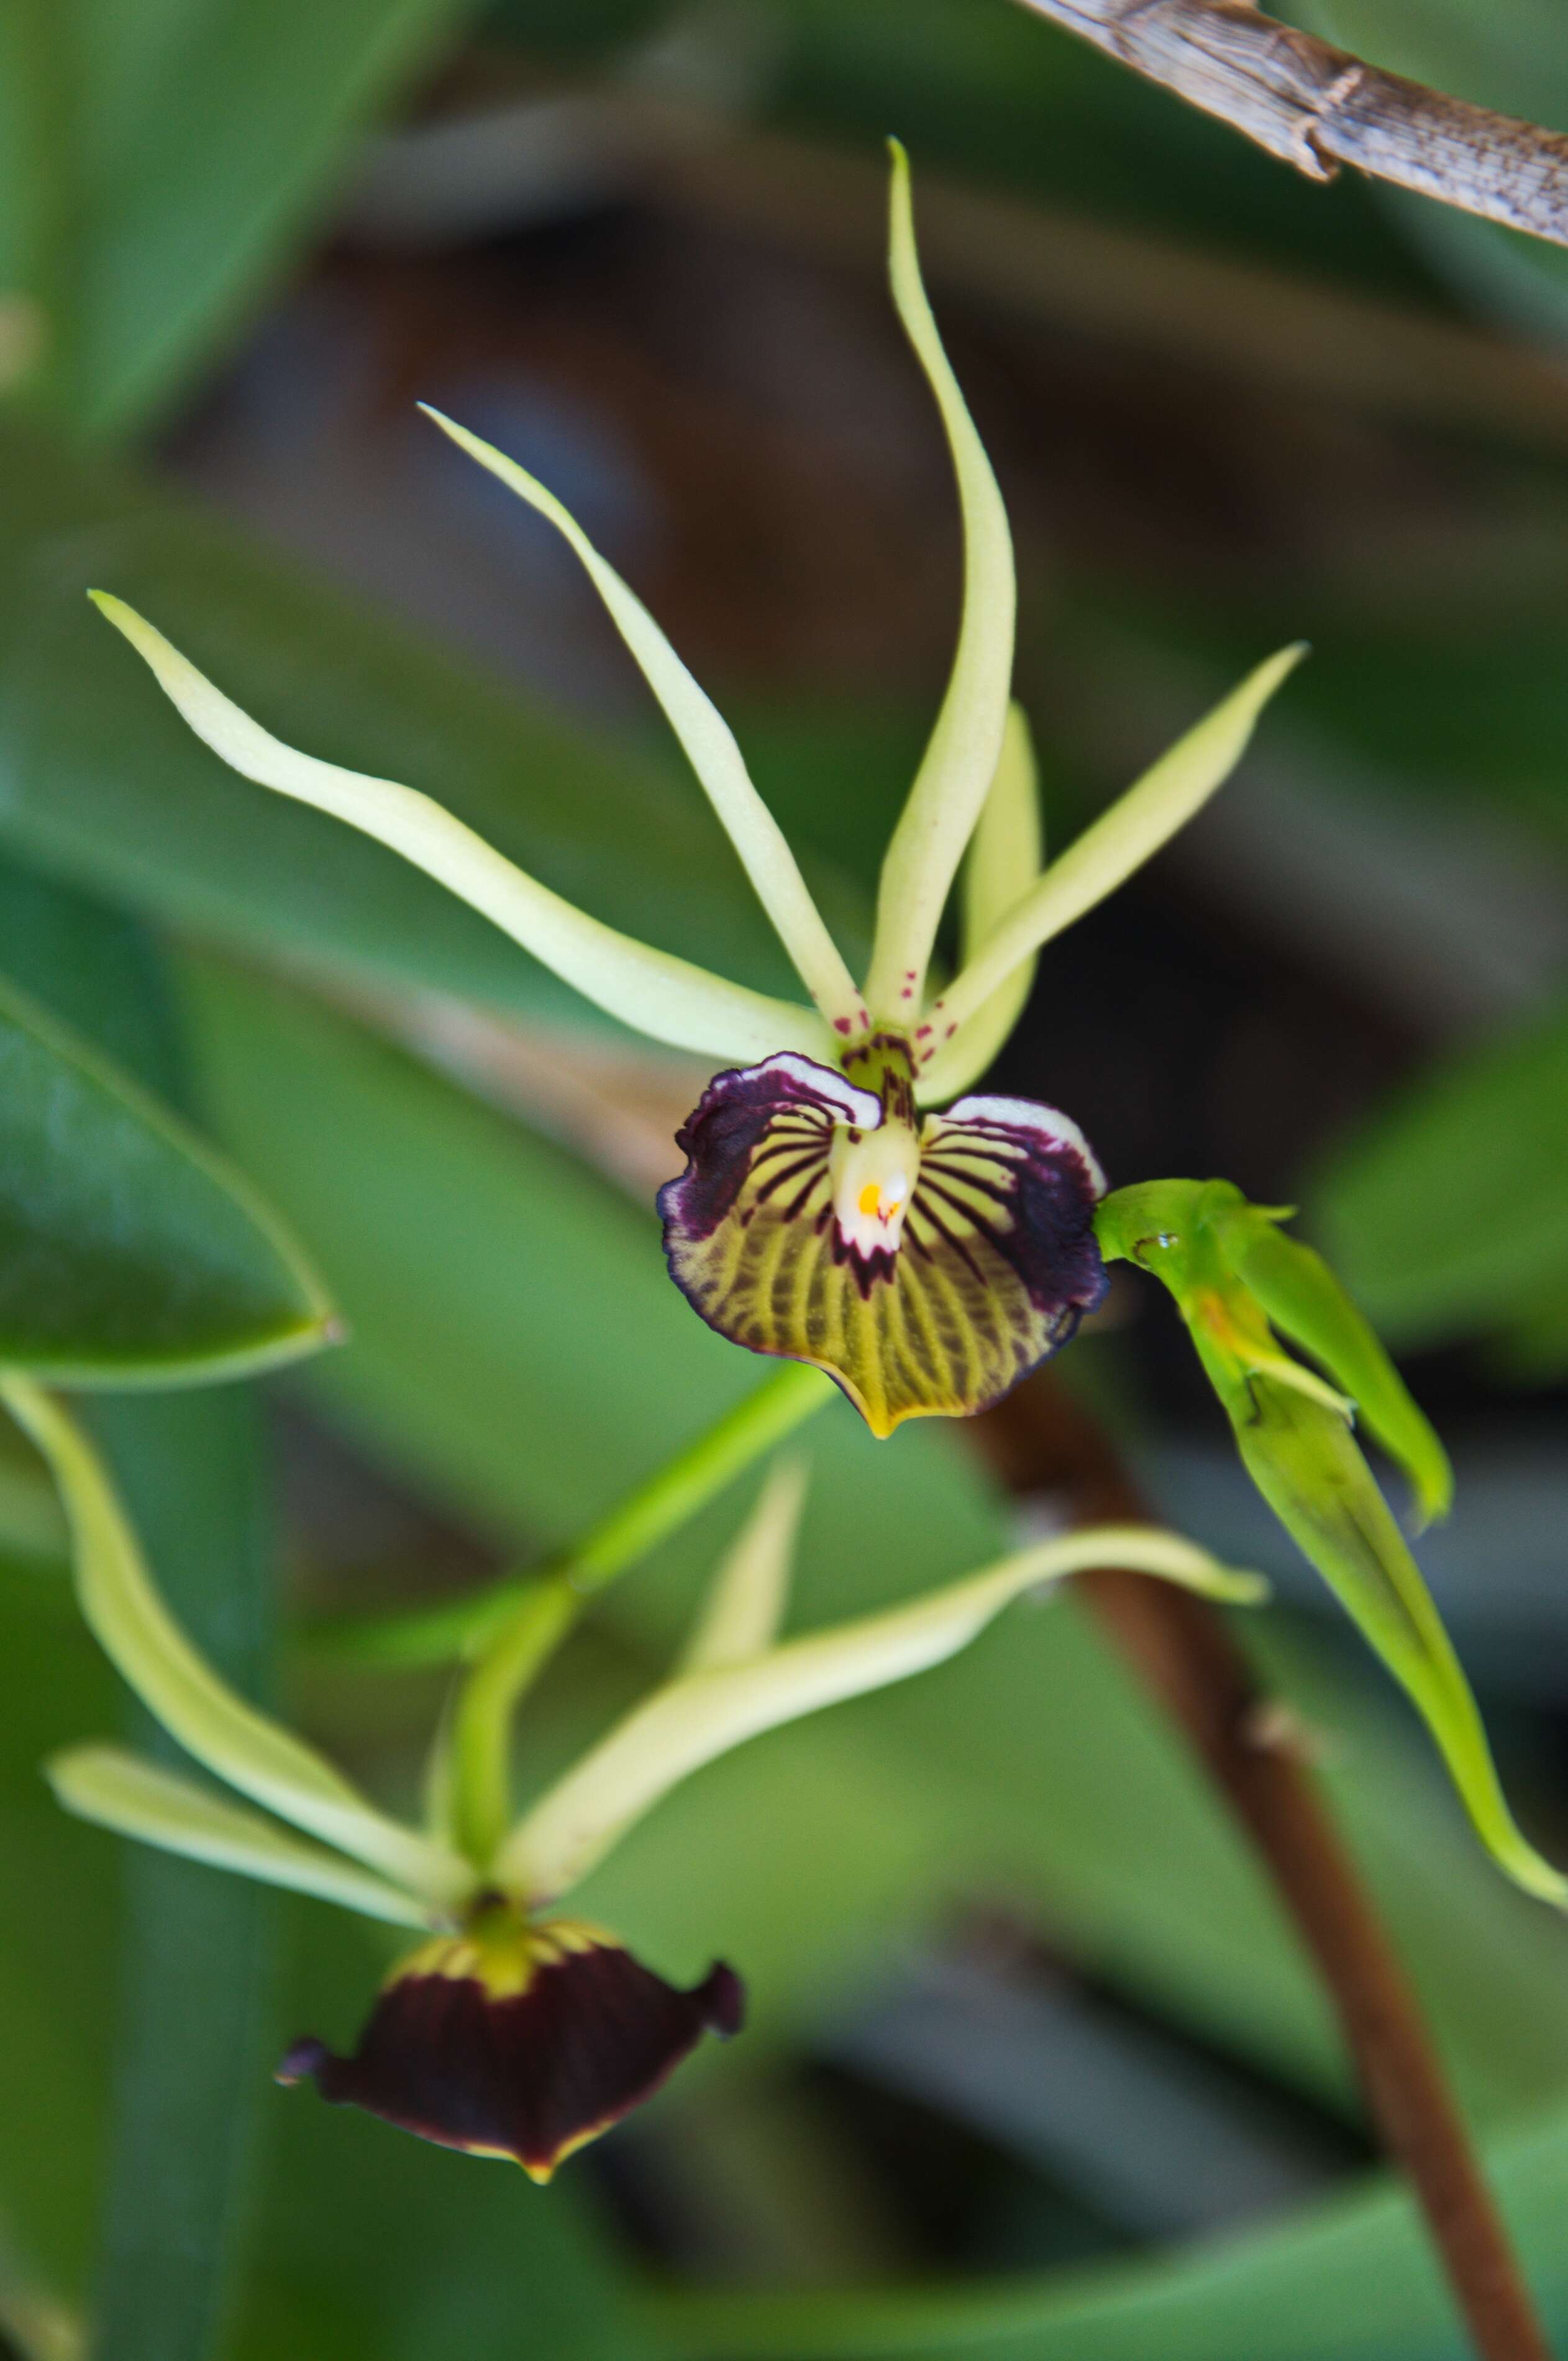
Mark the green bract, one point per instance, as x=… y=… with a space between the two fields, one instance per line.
x=1235 y=1280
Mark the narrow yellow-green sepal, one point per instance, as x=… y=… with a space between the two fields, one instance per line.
x=142 y=1640
x=650 y=990
x=1121 y=839
x=710 y=748
x=118 y=1791
x=703 y=1714
x=961 y=760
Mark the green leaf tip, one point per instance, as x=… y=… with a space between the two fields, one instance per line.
x=165 y=1267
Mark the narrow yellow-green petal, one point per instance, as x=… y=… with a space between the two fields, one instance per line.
x=118 y=1791
x=1120 y=840
x=140 y=1637
x=961 y=760
x=710 y=748
x=746 y=1604
x=703 y=1714
x=1005 y=859
x=650 y=990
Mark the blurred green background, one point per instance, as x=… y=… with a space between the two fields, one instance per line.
x=1035 y=2069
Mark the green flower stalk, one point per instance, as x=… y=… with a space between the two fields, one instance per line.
x=844 y=1202
x=513 y=2031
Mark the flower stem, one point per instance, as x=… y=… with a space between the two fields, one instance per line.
x=658 y=1506
x=508 y=1649
x=478 y=1738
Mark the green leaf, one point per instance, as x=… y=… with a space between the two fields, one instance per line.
x=34 y=184
x=62 y=1950
x=1353 y=2276
x=194 y=1966
x=205 y=136
x=1449 y=1210
x=197 y=1951
x=130 y=1253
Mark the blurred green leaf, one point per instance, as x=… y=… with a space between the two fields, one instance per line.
x=1449 y=1211
x=1508 y=54
x=190 y=2061
x=1354 y=2277
x=519 y=1349
x=101 y=780
x=34 y=177
x=202 y=139
x=998 y=95
x=195 y=1956
x=129 y=1252
x=59 y=1890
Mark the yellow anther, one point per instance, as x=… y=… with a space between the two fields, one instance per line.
x=870 y=1200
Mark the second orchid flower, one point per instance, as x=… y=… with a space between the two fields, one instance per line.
x=513 y=2029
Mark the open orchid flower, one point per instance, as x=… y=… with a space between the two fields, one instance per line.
x=512 y=2030
x=924 y=1261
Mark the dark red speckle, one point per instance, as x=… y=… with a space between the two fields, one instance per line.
x=842 y=1025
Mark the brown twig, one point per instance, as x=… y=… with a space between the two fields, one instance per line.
x=1042 y=1439
x=1318 y=107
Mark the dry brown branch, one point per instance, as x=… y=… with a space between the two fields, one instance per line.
x=1318 y=107
x=1042 y=1438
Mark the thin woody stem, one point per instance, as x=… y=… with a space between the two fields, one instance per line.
x=1318 y=107
x=1043 y=1438
x=654 y=1509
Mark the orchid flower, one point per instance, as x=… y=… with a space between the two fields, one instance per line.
x=512 y=2030
x=836 y=1208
